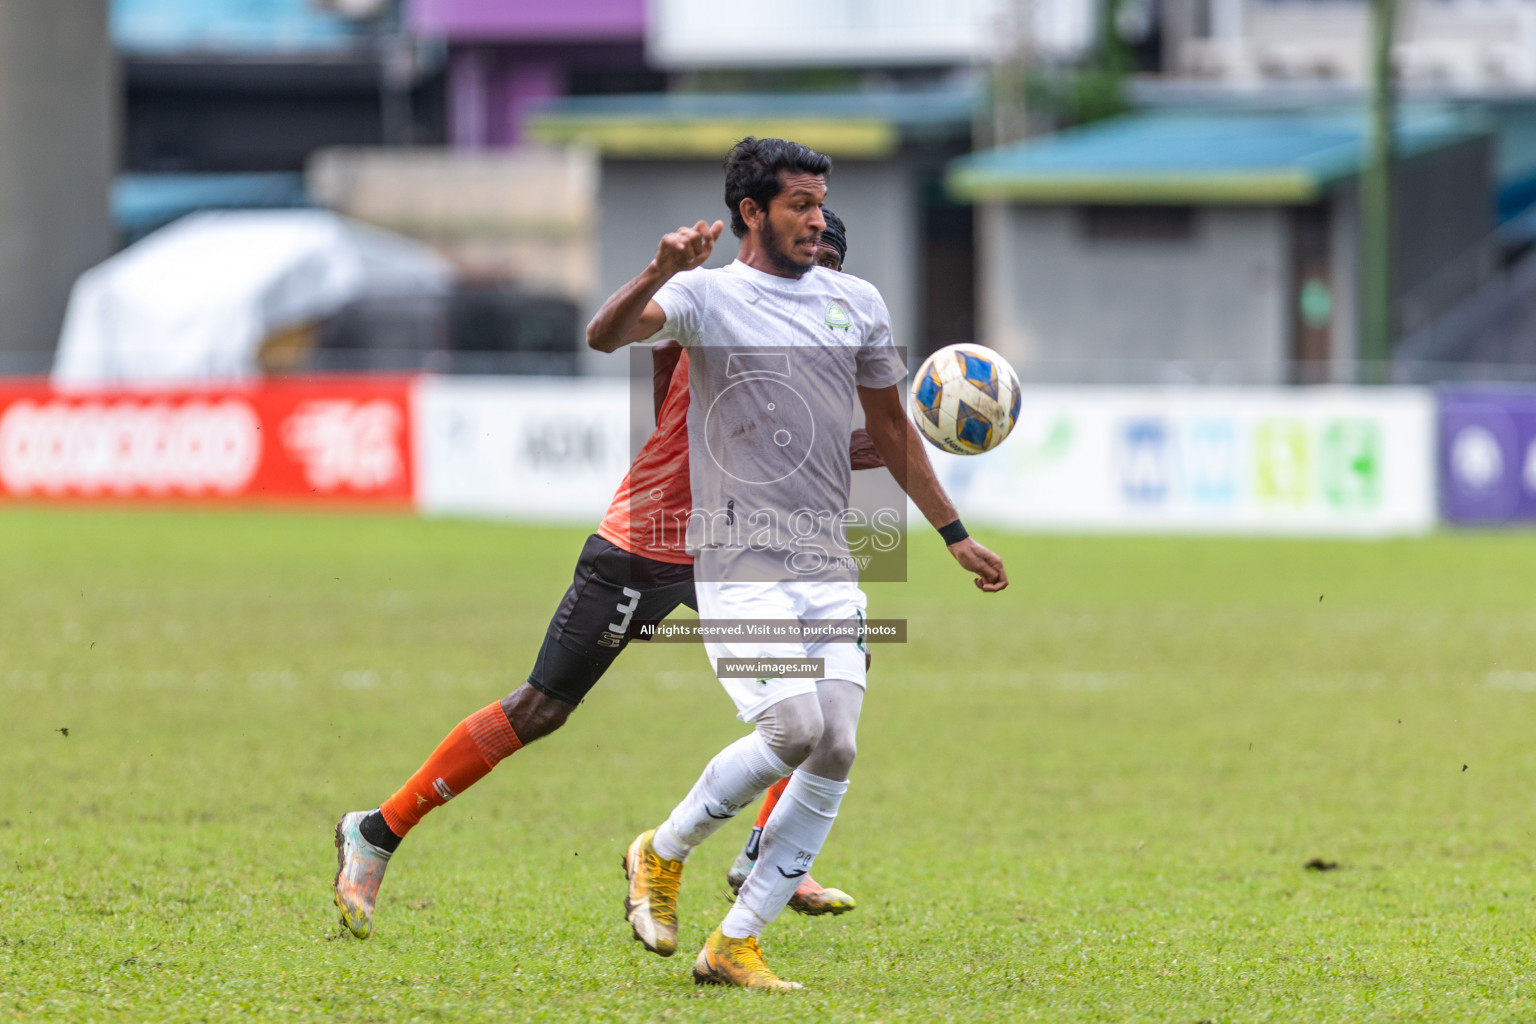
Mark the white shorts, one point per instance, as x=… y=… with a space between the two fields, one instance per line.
x=799 y=601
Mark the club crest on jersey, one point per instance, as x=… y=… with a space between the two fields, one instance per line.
x=837 y=317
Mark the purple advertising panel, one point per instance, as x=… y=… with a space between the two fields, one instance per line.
x=1488 y=454
x=529 y=20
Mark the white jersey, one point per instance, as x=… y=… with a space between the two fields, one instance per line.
x=775 y=364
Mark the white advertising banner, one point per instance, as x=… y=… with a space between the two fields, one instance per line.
x=548 y=449
x=1330 y=461
x=1322 y=461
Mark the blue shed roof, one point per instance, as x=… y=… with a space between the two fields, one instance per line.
x=1178 y=157
x=143 y=202
x=229 y=26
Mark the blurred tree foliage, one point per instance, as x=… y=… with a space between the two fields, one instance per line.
x=814 y=79
x=1060 y=95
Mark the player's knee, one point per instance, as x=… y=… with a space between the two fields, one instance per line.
x=792 y=729
x=833 y=757
x=794 y=744
x=534 y=715
x=797 y=746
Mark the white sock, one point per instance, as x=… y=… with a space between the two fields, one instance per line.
x=736 y=777
x=796 y=832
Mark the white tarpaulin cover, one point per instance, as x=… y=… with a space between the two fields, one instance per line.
x=193 y=302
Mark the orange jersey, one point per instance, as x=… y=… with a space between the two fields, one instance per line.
x=649 y=512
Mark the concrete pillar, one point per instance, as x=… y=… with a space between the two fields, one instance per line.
x=469 y=98
x=525 y=85
x=1002 y=325
x=1227 y=19
x=59 y=109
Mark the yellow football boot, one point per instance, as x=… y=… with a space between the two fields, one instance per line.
x=651 y=906
x=737 y=962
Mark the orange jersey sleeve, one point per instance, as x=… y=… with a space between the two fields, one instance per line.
x=649 y=512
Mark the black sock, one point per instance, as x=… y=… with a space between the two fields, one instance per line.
x=376 y=830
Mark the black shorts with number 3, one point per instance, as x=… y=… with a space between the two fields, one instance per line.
x=612 y=593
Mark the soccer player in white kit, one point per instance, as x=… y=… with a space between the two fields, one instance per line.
x=779 y=350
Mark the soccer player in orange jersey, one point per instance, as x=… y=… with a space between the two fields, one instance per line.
x=624 y=576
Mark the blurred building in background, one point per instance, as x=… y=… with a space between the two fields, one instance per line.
x=517 y=224
x=661 y=158
x=224 y=100
x=1111 y=192
x=1216 y=247
x=1450 y=45
x=1002 y=164
x=58 y=132
x=505 y=59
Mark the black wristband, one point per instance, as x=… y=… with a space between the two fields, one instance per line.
x=954 y=533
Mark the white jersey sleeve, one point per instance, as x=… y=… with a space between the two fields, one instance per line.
x=879 y=363
x=684 y=299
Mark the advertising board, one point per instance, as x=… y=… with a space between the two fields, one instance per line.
x=320 y=439
x=1322 y=461
x=548 y=449
x=1487 y=455
x=1335 y=461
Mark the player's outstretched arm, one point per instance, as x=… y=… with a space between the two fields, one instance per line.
x=630 y=314
x=906 y=457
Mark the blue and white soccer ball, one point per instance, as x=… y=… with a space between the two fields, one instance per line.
x=965 y=399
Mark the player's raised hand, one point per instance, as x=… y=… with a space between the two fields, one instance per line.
x=990 y=574
x=687 y=247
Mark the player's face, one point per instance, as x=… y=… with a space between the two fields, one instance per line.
x=826 y=256
x=793 y=224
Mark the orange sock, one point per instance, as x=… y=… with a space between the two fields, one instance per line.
x=770 y=801
x=465 y=757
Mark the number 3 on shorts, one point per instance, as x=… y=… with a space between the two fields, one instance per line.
x=626 y=610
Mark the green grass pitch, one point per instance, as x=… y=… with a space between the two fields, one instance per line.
x=1090 y=798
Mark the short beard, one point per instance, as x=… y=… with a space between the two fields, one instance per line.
x=782 y=261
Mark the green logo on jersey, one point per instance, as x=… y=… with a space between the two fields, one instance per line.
x=838 y=317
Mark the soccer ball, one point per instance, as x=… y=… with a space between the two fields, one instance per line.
x=965 y=399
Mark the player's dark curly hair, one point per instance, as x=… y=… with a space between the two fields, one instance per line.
x=752 y=172
x=835 y=233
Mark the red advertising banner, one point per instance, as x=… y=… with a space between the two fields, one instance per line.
x=346 y=439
